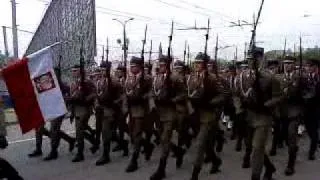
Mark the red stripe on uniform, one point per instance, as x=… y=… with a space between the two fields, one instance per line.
x=21 y=90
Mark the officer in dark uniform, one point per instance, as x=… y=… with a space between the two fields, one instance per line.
x=312 y=99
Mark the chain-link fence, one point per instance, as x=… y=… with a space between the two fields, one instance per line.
x=73 y=21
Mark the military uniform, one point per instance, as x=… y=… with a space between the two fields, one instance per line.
x=206 y=95
x=108 y=91
x=120 y=122
x=82 y=99
x=165 y=98
x=262 y=95
x=137 y=89
x=291 y=112
x=312 y=99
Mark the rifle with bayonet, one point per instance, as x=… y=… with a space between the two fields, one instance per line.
x=142 y=52
x=170 y=58
x=255 y=60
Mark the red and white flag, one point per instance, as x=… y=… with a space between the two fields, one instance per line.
x=34 y=89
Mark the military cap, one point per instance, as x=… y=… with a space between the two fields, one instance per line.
x=136 y=61
x=201 y=57
x=147 y=65
x=105 y=64
x=313 y=61
x=272 y=63
x=164 y=60
x=178 y=64
x=231 y=67
x=289 y=59
x=256 y=52
x=242 y=64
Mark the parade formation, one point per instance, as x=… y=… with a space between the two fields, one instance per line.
x=173 y=105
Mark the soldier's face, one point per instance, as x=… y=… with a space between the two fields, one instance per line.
x=135 y=69
x=199 y=66
x=162 y=68
x=289 y=67
x=119 y=73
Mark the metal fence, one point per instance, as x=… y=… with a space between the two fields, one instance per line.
x=73 y=21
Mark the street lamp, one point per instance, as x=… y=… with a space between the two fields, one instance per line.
x=125 y=48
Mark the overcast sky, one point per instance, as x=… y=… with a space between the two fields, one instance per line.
x=279 y=19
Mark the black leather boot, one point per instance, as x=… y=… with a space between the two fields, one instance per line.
x=270 y=169
x=53 y=155
x=78 y=158
x=133 y=165
x=179 y=157
x=35 y=153
x=291 y=163
x=195 y=173
x=148 y=150
x=246 y=161
x=216 y=163
x=161 y=171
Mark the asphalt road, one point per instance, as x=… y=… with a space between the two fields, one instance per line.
x=63 y=169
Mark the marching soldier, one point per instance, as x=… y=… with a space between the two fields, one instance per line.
x=120 y=122
x=291 y=107
x=82 y=99
x=137 y=90
x=55 y=129
x=262 y=95
x=98 y=109
x=312 y=99
x=206 y=95
x=108 y=92
x=277 y=112
x=165 y=96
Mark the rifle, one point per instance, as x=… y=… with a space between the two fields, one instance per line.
x=169 y=57
x=108 y=68
x=216 y=55
x=255 y=63
x=82 y=70
x=207 y=39
x=142 y=52
x=150 y=53
x=185 y=53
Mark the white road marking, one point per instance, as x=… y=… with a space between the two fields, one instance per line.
x=31 y=139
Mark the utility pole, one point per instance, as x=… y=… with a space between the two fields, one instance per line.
x=14 y=30
x=125 y=48
x=294 y=50
x=5 y=41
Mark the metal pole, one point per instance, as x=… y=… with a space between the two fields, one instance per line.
x=14 y=30
x=5 y=41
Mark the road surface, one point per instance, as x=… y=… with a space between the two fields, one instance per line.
x=63 y=169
